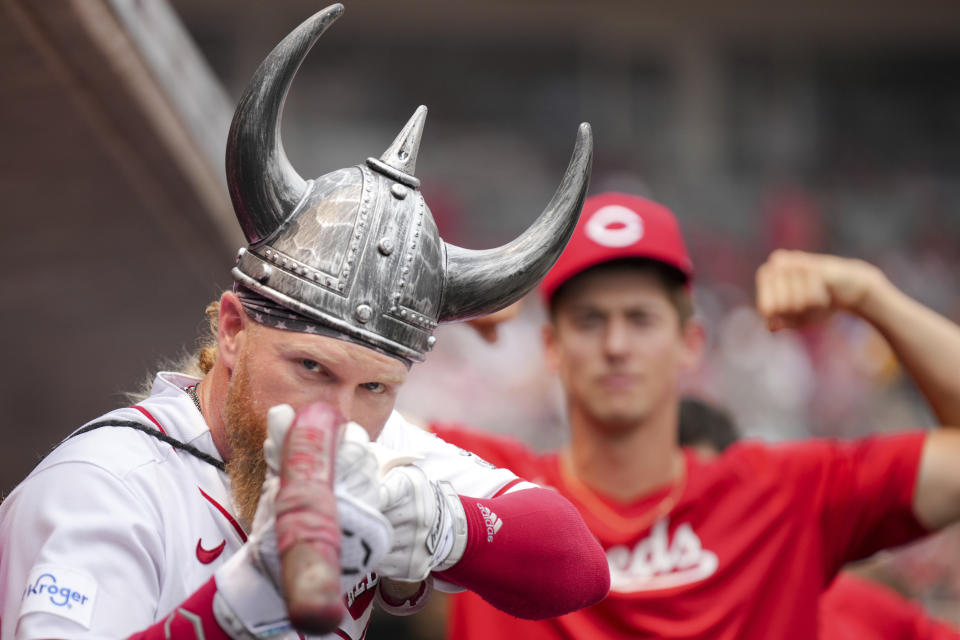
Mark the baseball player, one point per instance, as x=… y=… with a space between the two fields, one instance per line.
x=239 y=503
x=741 y=546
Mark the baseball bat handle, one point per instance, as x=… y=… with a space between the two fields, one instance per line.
x=308 y=531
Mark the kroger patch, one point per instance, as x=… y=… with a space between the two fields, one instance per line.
x=63 y=592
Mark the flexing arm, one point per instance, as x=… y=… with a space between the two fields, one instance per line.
x=796 y=288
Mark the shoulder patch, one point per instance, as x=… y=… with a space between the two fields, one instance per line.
x=68 y=593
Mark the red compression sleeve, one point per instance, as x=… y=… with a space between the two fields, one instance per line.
x=529 y=554
x=193 y=619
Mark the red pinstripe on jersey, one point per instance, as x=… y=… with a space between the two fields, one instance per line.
x=150 y=418
x=226 y=514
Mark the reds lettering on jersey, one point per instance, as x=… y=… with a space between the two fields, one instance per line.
x=662 y=560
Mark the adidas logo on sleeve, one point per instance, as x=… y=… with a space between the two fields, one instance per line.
x=492 y=521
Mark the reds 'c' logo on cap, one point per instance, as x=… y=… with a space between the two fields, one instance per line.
x=615 y=226
x=618 y=226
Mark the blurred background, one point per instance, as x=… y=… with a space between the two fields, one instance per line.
x=827 y=125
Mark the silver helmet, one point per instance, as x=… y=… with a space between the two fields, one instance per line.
x=356 y=251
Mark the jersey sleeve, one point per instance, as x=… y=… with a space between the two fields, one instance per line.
x=80 y=556
x=564 y=566
x=469 y=474
x=859 y=493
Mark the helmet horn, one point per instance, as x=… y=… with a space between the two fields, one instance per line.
x=264 y=186
x=482 y=282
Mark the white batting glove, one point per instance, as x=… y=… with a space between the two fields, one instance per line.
x=249 y=601
x=366 y=535
x=429 y=524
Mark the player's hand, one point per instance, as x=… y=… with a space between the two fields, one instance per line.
x=294 y=568
x=488 y=325
x=288 y=573
x=366 y=535
x=796 y=289
x=429 y=524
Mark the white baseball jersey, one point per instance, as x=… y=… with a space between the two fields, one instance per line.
x=115 y=528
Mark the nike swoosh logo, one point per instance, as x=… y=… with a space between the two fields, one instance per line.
x=206 y=556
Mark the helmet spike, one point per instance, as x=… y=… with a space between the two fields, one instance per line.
x=399 y=161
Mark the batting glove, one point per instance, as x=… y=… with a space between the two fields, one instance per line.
x=366 y=535
x=429 y=524
x=297 y=573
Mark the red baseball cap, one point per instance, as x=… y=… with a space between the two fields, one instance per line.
x=614 y=226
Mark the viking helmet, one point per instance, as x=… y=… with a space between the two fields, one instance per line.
x=356 y=251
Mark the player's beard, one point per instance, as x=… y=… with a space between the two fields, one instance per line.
x=246 y=431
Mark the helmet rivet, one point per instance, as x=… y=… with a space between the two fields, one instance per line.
x=431 y=341
x=265 y=272
x=364 y=312
x=385 y=246
x=399 y=191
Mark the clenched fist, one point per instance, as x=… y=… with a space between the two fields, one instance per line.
x=795 y=288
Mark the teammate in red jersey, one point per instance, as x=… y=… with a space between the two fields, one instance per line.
x=741 y=546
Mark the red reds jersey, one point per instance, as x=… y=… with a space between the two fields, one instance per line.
x=741 y=548
x=858 y=609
